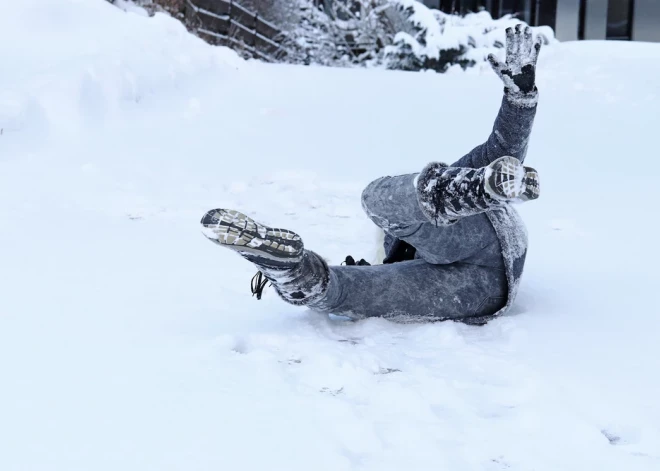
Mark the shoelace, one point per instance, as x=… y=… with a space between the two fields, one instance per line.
x=258 y=284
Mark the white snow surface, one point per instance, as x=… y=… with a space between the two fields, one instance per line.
x=129 y=342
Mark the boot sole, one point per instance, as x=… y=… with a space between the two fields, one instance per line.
x=236 y=231
x=508 y=179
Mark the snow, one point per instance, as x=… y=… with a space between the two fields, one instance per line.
x=128 y=341
x=479 y=33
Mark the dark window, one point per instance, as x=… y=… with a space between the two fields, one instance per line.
x=534 y=12
x=582 y=19
x=546 y=13
x=521 y=8
x=524 y=10
x=466 y=6
x=619 y=19
x=507 y=6
x=448 y=6
x=496 y=8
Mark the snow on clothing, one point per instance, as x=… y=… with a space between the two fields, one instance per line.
x=467 y=270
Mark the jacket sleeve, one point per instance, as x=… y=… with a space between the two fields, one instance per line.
x=510 y=135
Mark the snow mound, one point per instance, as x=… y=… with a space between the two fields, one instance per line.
x=79 y=61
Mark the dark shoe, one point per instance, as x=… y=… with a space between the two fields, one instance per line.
x=262 y=245
x=350 y=261
x=507 y=178
x=447 y=194
x=299 y=276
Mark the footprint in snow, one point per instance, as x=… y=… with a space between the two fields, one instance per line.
x=386 y=371
x=613 y=438
x=332 y=392
x=240 y=346
x=567 y=227
x=500 y=463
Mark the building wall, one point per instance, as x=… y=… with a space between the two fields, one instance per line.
x=646 y=23
x=574 y=19
x=568 y=20
x=595 y=24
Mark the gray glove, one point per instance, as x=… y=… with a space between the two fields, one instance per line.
x=519 y=71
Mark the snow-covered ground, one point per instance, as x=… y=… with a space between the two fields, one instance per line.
x=129 y=342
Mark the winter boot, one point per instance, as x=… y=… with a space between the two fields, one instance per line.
x=447 y=194
x=299 y=276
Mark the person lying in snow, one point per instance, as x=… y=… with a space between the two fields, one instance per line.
x=455 y=246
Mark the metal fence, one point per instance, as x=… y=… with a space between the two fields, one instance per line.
x=227 y=23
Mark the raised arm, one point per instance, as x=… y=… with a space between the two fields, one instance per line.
x=513 y=124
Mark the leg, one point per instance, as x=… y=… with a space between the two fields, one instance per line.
x=392 y=203
x=406 y=291
x=414 y=291
x=441 y=211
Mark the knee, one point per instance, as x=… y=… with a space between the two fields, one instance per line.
x=370 y=193
x=372 y=200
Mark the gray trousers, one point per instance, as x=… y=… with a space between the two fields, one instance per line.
x=460 y=269
x=459 y=272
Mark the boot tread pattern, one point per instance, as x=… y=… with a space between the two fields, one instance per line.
x=510 y=180
x=238 y=231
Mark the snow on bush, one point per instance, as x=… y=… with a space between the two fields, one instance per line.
x=440 y=40
x=397 y=34
x=340 y=33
